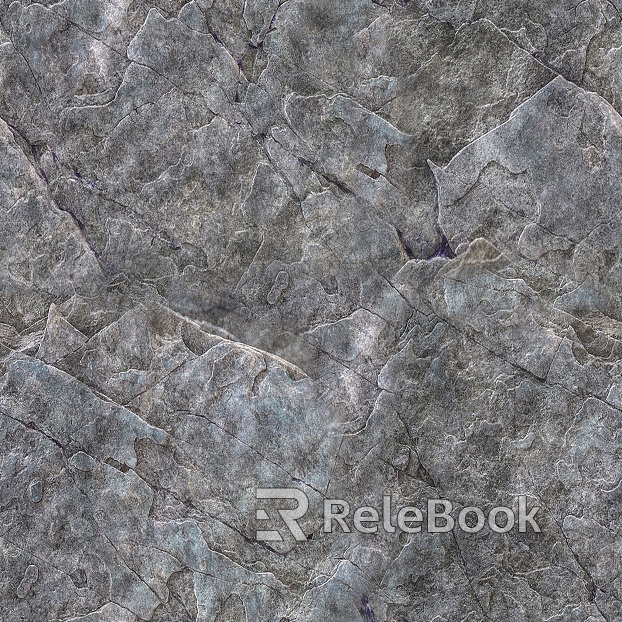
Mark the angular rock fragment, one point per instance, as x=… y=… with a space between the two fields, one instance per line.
x=535 y=186
x=60 y=338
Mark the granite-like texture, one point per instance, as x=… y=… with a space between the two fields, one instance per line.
x=356 y=248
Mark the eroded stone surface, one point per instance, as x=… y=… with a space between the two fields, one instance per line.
x=359 y=249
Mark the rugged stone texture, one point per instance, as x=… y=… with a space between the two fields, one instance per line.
x=359 y=249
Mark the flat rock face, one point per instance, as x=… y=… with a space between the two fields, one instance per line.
x=367 y=251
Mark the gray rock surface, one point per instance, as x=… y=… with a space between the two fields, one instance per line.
x=360 y=249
